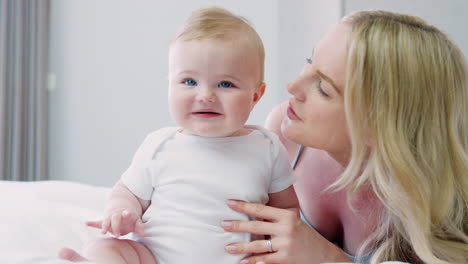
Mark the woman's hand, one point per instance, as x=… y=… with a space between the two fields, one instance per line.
x=292 y=241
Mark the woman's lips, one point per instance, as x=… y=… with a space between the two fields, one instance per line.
x=291 y=114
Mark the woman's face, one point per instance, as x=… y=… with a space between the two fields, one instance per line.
x=316 y=116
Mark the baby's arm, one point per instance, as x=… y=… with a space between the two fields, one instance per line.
x=284 y=199
x=123 y=212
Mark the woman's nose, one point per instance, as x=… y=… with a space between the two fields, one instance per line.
x=295 y=89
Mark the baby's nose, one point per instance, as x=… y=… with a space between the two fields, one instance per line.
x=207 y=95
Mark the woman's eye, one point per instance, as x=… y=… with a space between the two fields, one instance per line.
x=225 y=84
x=190 y=82
x=321 y=91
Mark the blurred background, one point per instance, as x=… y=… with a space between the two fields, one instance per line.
x=100 y=82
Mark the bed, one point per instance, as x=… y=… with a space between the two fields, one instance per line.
x=39 y=218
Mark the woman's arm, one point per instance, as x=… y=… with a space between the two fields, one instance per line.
x=284 y=199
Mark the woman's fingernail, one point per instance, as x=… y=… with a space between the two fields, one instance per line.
x=231 y=248
x=226 y=224
x=231 y=202
x=244 y=261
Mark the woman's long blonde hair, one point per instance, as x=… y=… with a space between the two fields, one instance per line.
x=407 y=94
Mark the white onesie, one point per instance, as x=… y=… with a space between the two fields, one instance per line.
x=188 y=180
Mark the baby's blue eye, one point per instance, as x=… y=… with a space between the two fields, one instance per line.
x=190 y=82
x=225 y=84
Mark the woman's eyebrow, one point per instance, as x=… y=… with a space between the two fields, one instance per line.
x=323 y=76
x=329 y=80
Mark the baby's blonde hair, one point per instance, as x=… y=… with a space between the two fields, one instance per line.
x=406 y=91
x=219 y=24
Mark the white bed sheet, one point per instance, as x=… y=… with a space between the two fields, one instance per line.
x=39 y=218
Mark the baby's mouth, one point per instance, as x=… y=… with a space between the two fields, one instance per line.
x=206 y=114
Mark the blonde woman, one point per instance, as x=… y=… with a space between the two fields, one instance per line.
x=381 y=108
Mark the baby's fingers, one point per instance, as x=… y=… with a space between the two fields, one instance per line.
x=95 y=224
x=105 y=226
x=136 y=224
x=116 y=219
x=139 y=228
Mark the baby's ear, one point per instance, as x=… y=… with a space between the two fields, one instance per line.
x=259 y=92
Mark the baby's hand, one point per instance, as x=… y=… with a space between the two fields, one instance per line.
x=120 y=223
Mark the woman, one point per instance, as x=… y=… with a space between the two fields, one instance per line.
x=381 y=108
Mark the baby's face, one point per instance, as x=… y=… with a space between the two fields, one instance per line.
x=213 y=86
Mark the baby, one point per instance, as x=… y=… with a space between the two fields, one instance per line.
x=173 y=196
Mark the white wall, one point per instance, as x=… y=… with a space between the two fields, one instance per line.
x=301 y=25
x=110 y=60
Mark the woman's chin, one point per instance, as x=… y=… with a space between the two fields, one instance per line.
x=293 y=133
x=287 y=126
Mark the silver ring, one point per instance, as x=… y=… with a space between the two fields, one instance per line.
x=269 y=246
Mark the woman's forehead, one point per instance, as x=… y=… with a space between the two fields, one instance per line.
x=330 y=53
